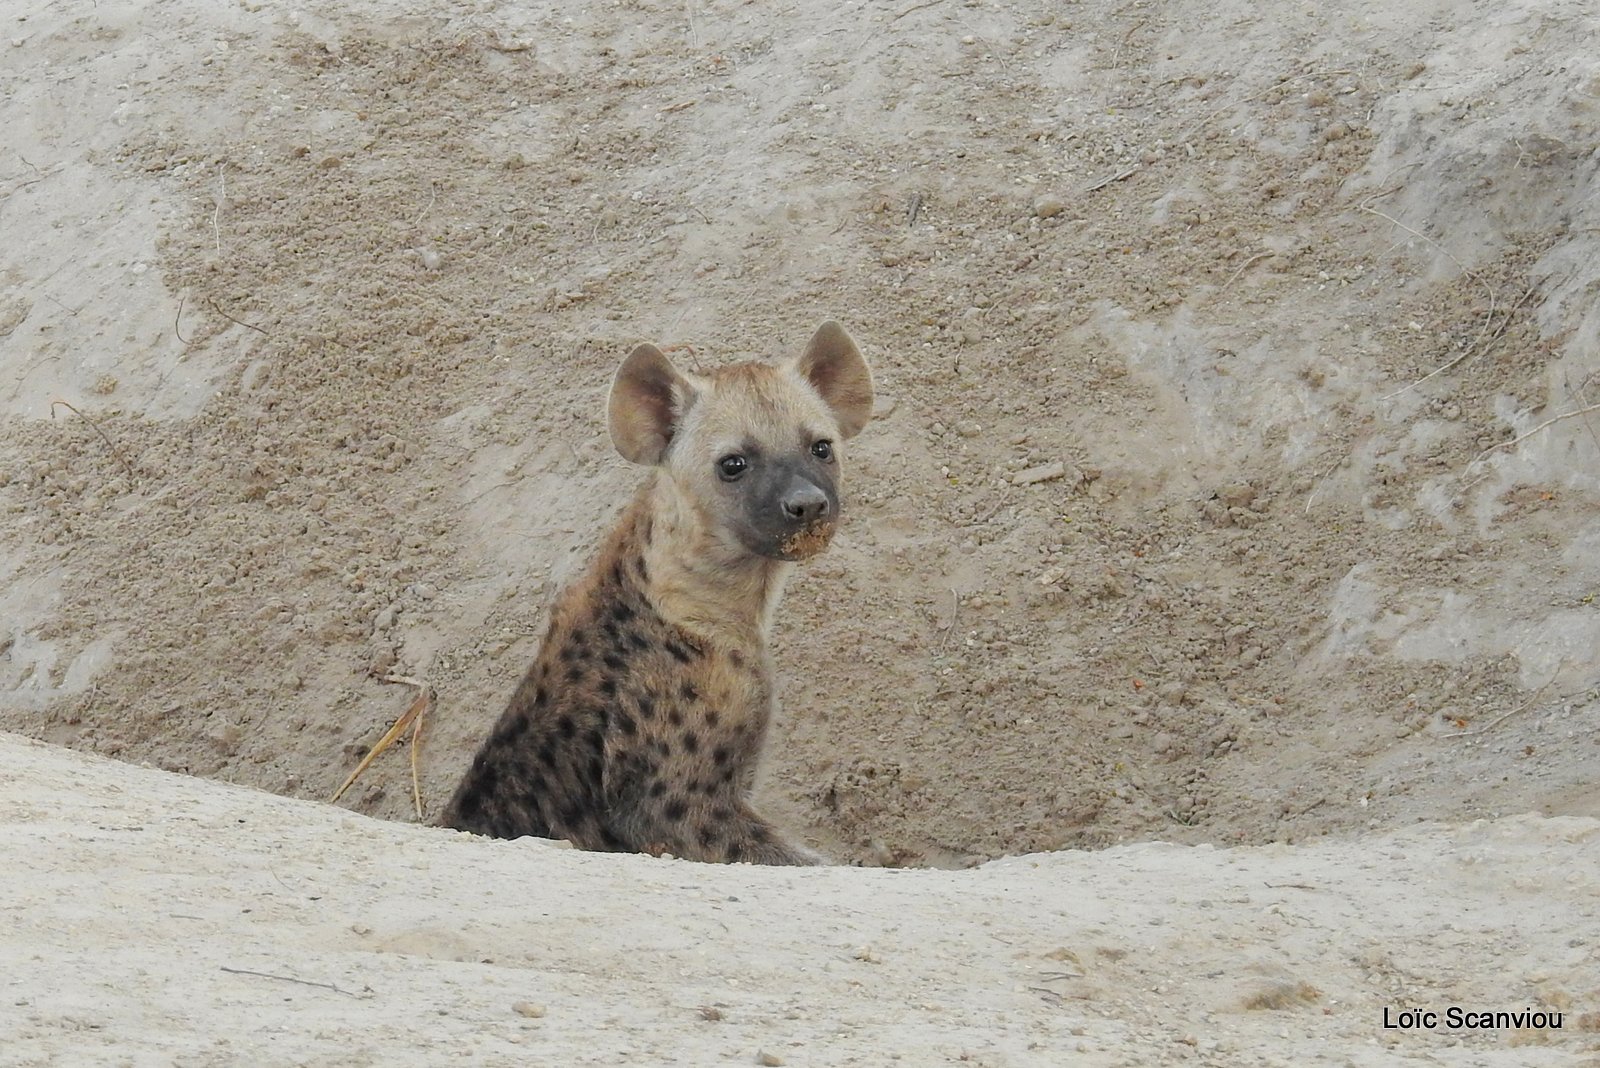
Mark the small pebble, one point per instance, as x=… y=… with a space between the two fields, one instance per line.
x=1042 y=473
x=771 y=1060
x=529 y=1009
x=1048 y=207
x=1237 y=494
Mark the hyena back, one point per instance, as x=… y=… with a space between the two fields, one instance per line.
x=639 y=724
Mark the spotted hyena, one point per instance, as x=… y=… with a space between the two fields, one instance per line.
x=639 y=725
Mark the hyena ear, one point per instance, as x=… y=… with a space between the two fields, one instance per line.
x=648 y=399
x=835 y=369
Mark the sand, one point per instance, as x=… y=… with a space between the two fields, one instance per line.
x=1235 y=479
x=160 y=919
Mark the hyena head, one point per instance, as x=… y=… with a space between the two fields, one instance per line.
x=753 y=449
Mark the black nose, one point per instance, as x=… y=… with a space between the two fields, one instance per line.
x=805 y=504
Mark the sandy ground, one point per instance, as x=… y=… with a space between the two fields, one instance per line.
x=1235 y=478
x=228 y=927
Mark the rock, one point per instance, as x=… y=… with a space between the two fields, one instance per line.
x=1237 y=495
x=1048 y=207
x=1041 y=473
x=771 y=1060
x=531 y=1010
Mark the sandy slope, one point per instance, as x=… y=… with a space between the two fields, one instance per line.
x=1273 y=585
x=129 y=893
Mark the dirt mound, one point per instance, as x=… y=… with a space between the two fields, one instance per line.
x=248 y=929
x=1235 y=478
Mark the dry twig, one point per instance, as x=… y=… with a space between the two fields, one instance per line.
x=292 y=979
x=69 y=406
x=1523 y=707
x=1487 y=288
x=248 y=326
x=177 y=315
x=1243 y=267
x=412 y=715
x=1119 y=176
x=1520 y=438
x=916 y=7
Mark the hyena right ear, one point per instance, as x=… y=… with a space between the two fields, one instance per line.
x=836 y=370
x=648 y=398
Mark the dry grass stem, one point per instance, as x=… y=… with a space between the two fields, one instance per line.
x=69 y=406
x=412 y=715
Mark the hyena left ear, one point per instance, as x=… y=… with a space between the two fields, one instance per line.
x=648 y=399
x=835 y=369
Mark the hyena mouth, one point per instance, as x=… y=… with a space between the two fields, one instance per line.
x=808 y=541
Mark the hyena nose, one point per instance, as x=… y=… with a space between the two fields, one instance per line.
x=805 y=504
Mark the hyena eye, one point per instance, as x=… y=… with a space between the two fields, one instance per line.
x=822 y=450
x=731 y=467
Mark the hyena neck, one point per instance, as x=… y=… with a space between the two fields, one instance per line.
x=695 y=578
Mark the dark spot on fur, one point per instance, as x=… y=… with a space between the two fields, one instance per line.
x=735 y=852
x=471 y=804
x=624 y=723
x=611 y=840
x=597 y=770
x=547 y=753
x=487 y=776
x=571 y=815
x=708 y=836
x=679 y=652
x=675 y=716
x=595 y=739
x=722 y=814
x=608 y=686
x=663 y=747
x=510 y=729
x=713 y=717
x=621 y=612
x=616 y=573
x=691 y=742
x=566 y=727
x=614 y=661
x=727 y=774
x=759 y=833
x=575 y=673
x=658 y=788
x=736 y=658
x=636 y=641
x=647 y=707
x=722 y=754
x=539 y=696
x=688 y=692
x=708 y=787
x=675 y=809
